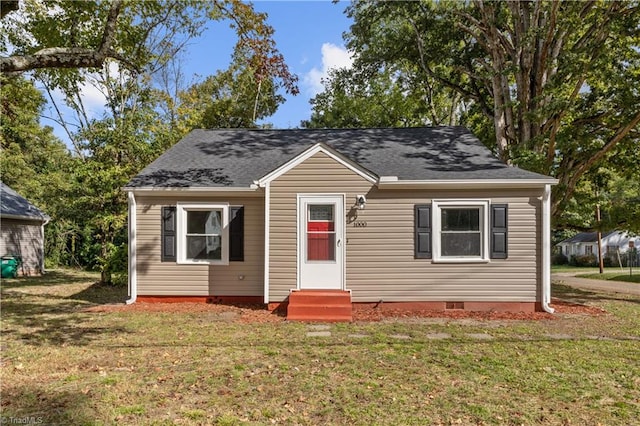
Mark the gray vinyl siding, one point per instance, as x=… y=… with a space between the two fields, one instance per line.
x=172 y=279
x=380 y=263
x=23 y=238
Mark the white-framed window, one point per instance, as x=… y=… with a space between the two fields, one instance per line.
x=203 y=233
x=461 y=230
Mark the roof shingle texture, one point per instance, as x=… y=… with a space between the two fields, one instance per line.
x=238 y=157
x=586 y=237
x=13 y=204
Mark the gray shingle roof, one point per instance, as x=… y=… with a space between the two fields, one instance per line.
x=14 y=205
x=238 y=157
x=585 y=237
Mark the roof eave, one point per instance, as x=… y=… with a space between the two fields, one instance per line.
x=392 y=182
x=193 y=190
x=43 y=218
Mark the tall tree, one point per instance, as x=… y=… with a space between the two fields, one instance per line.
x=138 y=37
x=118 y=47
x=552 y=77
x=387 y=98
x=32 y=159
x=35 y=163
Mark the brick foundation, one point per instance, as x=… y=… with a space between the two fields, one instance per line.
x=454 y=305
x=281 y=307
x=230 y=300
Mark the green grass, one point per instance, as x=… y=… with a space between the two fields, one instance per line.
x=569 y=268
x=614 y=276
x=70 y=366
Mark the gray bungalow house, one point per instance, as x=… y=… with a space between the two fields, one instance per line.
x=22 y=230
x=320 y=222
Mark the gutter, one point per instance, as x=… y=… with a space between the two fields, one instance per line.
x=133 y=276
x=195 y=190
x=392 y=182
x=546 y=249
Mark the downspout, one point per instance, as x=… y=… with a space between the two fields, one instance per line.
x=45 y=221
x=546 y=250
x=267 y=236
x=133 y=277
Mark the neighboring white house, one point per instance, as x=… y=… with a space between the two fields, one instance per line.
x=613 y=242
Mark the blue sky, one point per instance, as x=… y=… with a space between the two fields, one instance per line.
x=307 y=33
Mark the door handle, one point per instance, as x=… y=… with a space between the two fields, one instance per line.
x=339 y=242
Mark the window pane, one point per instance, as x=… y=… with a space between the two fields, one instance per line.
x=204 y=248
x=321 y=212
x=460 y=219
x=321 y=246
x=461 y=244
x=204 y=222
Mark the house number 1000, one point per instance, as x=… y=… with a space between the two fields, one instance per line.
x=359 y=224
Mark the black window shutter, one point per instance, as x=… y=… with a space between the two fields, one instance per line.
x=236 y=234
x=499 y=231
x=422 y=222
x=168 y=234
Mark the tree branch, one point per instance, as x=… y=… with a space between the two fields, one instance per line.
x=569 y=181
x=8 y=6
x=69 y=57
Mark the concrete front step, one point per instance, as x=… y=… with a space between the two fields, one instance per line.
x=328 y=297
x=319 y=305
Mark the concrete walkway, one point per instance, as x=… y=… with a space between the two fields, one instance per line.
x=321 y=330
x=569 y=278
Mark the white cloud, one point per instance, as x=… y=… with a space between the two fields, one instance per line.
x=92 y=93
x=332 y=57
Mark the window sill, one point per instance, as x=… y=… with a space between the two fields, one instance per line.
x=202 y=262
x=461 y=260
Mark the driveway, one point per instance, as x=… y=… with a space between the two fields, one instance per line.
x=569 y=278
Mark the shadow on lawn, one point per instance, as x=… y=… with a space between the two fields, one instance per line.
x=569 y=293
x=32 y=405
x=43 y=318
x=50 y=279
x=46 y=324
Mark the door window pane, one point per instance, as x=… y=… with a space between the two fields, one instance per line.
x=321 y=212
x=321 y=236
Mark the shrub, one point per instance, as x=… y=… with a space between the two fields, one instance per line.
x=559 y=259
x=584 y=260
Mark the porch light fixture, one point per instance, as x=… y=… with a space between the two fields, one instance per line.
x=361 y=200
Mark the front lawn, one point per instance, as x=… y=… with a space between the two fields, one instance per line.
x=569 y=268
x=63 y=364
x=619 y=275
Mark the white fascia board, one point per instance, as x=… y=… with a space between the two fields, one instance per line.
x=389 y=183
x=319 y=147
x=43 y=220
x=252 y=190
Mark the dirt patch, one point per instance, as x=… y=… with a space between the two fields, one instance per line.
x=258 y=313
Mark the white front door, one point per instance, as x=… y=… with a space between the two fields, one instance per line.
x=320 y=241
